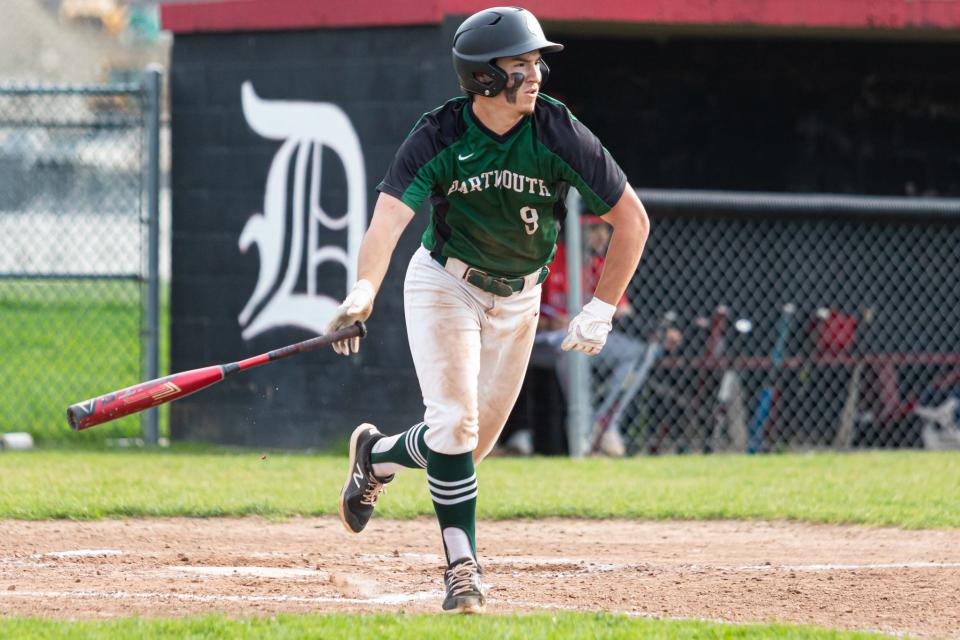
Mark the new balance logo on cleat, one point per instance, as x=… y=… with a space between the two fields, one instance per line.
x=358 y=476
x=361 y=489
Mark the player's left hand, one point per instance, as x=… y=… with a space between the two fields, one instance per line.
x=588 y=331
x=357 y=306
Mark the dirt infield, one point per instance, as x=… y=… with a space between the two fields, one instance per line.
x=847 y=577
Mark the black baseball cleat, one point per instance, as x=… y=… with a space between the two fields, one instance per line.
x=464 y=585
x=361 y=489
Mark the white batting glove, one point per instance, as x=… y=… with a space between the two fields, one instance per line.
x=588 y=331
x=356 y=306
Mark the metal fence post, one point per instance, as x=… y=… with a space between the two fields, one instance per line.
x=579 y=408
x=152 y=79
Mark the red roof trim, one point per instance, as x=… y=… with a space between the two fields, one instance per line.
x=268 y=15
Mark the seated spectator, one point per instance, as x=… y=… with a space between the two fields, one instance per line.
x=621 y=353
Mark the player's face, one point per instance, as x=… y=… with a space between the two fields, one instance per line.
x=521 y=94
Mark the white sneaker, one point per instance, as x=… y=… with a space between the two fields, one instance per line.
x=611 y=444
x=521 y=442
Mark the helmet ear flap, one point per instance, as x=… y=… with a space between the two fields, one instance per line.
x=544 y=72
x=498 y=82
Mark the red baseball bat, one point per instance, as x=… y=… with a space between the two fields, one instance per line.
x=145 y=395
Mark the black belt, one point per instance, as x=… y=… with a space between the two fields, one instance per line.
x=497 y=285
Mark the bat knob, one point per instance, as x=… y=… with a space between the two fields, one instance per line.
x=75 y=416
x=363 y=328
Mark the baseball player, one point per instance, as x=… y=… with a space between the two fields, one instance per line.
x=495 y=164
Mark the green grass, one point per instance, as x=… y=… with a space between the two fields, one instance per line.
x=63 y=342
x=912 y=489
x=381 y=626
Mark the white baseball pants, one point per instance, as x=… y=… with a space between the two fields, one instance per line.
x=470 y=349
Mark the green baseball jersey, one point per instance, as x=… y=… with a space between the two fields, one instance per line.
x=497 y=200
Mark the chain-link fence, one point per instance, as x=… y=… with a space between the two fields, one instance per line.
x=762 y=323
x=77 y=285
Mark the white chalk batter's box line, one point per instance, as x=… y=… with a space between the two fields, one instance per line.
x=202 y=597
x=387 y=599
x=585 y=566
x=849 y=567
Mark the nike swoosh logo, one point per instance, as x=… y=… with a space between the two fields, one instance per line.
x=466 y=157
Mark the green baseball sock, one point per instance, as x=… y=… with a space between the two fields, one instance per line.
x=405 y=450
x=453 y=488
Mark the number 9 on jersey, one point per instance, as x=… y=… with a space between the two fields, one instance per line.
x=530 y=218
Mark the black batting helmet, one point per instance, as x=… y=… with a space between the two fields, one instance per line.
x=496 y=33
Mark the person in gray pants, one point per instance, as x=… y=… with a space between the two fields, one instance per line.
x=622 y=354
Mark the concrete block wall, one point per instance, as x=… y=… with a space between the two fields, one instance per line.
x=771 y=114
x=383 y=79
x=764 y=114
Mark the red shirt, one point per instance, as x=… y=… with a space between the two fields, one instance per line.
x=553 y=299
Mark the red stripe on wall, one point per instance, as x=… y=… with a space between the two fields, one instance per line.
x=261 y=15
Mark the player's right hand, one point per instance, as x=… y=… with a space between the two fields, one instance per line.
x=357 y=306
